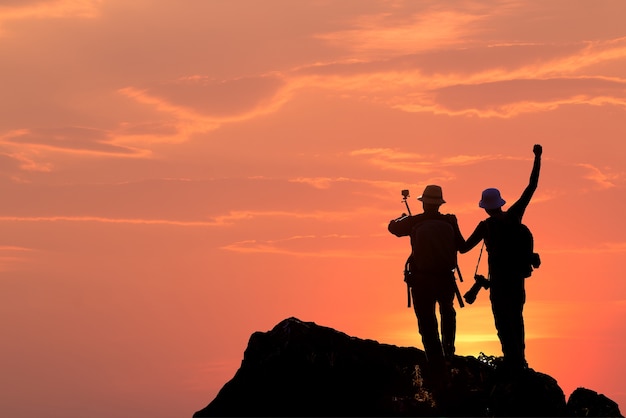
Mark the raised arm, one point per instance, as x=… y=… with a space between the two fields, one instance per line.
x=534 y=174
x=520 y=206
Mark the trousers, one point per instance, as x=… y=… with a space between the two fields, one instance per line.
x=507 y=295
x=427 y=292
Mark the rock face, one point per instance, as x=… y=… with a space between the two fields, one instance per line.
x=302 y=369
x=587 y=403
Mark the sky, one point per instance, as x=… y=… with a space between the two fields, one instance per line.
x=176 y=175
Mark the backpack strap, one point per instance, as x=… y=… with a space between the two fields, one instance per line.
x=407 y=279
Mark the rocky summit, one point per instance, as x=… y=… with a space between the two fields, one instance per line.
x=303 y=369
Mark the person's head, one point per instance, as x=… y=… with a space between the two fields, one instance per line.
x=432 y=198
x=491 y=201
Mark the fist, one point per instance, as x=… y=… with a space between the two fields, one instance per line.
x=537 y=150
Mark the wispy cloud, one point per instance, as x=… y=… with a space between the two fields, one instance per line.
x=12 y=255
x=407 y=58
x=393 y=159
x=230 y=218
x=589 y=177
x=13 y=248
x=192 y=114
x=327 y=246
x=548 y=78
x=51 y=9
x=102 y=219
x=443 y=166
x=327 y=182
x=221 y=98
x=508 y=98
x=388 y=33
x=69 y=140
x=603 y=179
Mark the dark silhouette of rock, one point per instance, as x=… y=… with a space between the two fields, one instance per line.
x=302 y=369
x=587 y=403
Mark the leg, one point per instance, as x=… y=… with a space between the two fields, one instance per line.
x=507 y=303
x=424 y=305
x=448 y=320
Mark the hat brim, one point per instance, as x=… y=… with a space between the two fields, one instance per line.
x=432 y=200
x=492 y=205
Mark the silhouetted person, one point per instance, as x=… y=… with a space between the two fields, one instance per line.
x=435 y=239
x=506 y=273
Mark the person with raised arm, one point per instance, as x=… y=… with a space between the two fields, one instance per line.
x=509 y=264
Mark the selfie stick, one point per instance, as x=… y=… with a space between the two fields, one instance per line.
x=405 y=195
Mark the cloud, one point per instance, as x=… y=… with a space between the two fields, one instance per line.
x=198 y=105
x=102 y=219
x=13 y=248
x=483 y=80
x=388 y=33
x=231 y=218
x=73 y=140
x=14 y=10
x=393 y=159
x=154 y=129
x=443 y=166
x=326 y=216
x=10 y=162
x=588 y=177
x=409 y=58
x=602 y=179
x=31 y=150
x=12 y=255
x=327 y=182
x=513 y=97
x=219 y=98
x=327 y=246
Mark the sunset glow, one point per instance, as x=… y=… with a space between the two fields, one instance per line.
x=178 y=175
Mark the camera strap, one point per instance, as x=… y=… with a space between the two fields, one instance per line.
x=479 y=257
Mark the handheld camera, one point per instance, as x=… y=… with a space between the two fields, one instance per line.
x=480 y=282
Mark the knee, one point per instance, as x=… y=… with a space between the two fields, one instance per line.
x=447 y=310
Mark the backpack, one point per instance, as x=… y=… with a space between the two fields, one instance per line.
x=434 y=252
x=511 y=246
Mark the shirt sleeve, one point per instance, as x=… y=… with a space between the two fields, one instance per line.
x=401 y=227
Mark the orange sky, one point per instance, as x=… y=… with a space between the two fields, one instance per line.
x=178 y=175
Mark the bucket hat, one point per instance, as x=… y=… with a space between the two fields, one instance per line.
x=491 y=199
x=432 y=194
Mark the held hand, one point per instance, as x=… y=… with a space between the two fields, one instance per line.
x=537 y=150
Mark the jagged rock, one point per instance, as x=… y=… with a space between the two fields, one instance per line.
x=587 y=403
x=302 y=369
